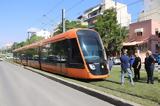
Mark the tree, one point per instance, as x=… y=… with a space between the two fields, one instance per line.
x=69 y=25
x=111 y=32
x=34 y=38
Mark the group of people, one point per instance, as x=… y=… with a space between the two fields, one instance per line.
x=134 y=62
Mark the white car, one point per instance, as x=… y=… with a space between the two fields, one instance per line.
x=116 y=61
x=1 y=59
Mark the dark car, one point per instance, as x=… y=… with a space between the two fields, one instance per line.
x=155 y=57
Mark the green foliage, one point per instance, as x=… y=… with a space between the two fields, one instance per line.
x=33 y=38
x=111 y=32
x=18 y=45
x=69 y=25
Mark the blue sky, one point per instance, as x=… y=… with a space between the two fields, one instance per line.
x=17 y=16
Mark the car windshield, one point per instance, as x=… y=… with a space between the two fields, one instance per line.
x=91 y=45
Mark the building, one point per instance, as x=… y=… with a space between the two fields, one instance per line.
x=151 y=10
x=91 y=14
x=143 y=36
x=43 y=33
x=38 y=32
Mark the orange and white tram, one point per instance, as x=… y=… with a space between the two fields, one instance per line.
x=77 y=53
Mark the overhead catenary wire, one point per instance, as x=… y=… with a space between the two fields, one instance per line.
x=130 y=4
x=75 y=5
x=67 y=10
x=48 y=12
x=78 y=3
x=146 y=15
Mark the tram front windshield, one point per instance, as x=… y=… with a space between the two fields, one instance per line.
x=91 y=46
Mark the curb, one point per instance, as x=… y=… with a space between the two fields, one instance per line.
x=98 y=94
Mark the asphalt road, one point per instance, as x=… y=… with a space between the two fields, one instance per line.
x=20 y=87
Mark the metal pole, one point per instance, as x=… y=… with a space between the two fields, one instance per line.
x=28 y=37
x=63 y=20
x=116 y=6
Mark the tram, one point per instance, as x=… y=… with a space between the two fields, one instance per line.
x=77 y=53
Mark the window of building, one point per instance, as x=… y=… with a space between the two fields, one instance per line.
x=93 y=14
x=157 y=32
x=139 y=33
x=157 y=47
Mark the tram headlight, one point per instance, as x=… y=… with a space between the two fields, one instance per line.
x=92 y=66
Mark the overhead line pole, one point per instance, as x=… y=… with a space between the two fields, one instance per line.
x=63 y=20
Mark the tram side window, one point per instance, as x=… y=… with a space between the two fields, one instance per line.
x=58 y=52
x=51 y=56
x=44 y=52
x=29 y=53
x=23 y=56
x=36 y=54
x=47 y=53
x=55 y=52
x=32 y=54
x=75 y=55
x=61 y=51
x=15 y=55
x=18 y=56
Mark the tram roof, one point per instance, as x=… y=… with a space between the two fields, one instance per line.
x=66 y=35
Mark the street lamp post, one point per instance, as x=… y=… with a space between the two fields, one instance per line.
x=28 y=36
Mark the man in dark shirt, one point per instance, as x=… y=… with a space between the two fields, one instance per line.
x=125 y=67
x=149 y=65
x=137 y=66
x=158 y=60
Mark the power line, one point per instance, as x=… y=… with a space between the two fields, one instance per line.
x=69 y=9
x=49 y=11
x=145 y=15
x=79 y=2
x=130 y=4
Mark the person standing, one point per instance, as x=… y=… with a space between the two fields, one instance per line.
x=131 y=61
x=146 y=66
x=110 y=63
x=137 y=66
x=125 y=67
x=158 y=61
x=149 y=66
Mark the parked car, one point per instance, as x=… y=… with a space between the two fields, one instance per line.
x=155 y=57
x=1 y=59
x=116 y=61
